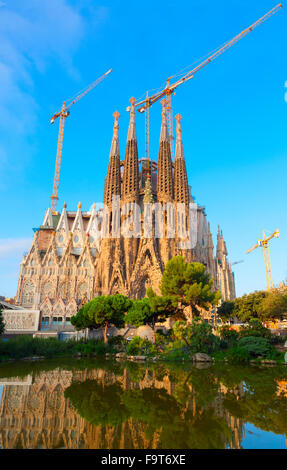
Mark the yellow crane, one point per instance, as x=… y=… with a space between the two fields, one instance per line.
x=264 y=243
x=63 y=114
x=144 y=105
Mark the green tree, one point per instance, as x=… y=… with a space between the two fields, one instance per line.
x=188 y=284
x=255 y=345
x=225 y=311
x=249 y=306
x=261 y=305
x=102 y=311
x=2 y=325
x=198 y=336
x=149 y=311
x=228 y=335
x=255 y=328
x=139 y=313
x=274 y=305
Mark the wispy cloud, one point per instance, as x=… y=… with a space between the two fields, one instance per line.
x=30 y=38
x=33 y=36
x=14 y=247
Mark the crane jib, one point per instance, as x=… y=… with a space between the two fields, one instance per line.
x=63 y=114
x=143 y=105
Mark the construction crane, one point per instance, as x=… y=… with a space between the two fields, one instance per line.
x=145 y=104
x=63 y=114
x=264 y=243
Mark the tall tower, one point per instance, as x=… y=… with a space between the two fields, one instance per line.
x=224 y=273
x=210 y=256
x=219 y=265
x=130 y=188
x=165 y=188
x=113 y=179
x=164 y=166
x=181 y=192
x=219 y=246
x=130 y=194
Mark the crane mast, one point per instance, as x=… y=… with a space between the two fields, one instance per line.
x=63 y=114
x=264 y=243
x=54 y=197
x=144 y=105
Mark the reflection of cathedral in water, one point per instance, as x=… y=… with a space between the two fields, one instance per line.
x=35 y=414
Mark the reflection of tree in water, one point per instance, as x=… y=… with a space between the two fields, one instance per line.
x=155 y=410
x=178 y=428
x=136 y=371
x=268 y=415
x=97 y=403
x=261 y=404
x=130 y=405
x=197 y=412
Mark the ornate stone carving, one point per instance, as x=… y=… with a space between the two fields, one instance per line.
x=21 y=320
x=28 y=295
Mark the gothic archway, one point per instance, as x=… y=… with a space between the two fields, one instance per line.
x=28 y=295
x=142 y=286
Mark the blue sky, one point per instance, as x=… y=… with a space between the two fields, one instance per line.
x=234 y=112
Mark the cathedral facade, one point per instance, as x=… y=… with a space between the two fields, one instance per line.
x=123 y=246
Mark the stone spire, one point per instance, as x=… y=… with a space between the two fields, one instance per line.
x=130 y=188
x=224 y=248
x=113 y=179
x=210 y=255
x=219 y=246
x=210 y=241
x=181 y=191
x=223 y=244
x=63 y=221
x=164 y=166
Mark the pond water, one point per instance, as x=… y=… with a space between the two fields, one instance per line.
x=98 y=404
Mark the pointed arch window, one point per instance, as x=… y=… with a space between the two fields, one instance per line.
x=28 y=294
x=47 y=290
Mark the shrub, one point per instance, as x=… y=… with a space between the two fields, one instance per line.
x=275 y=355
x=93 y=346
x=255 y=328
x=237 y=355
x=85 y=348
x=218 y=355
x=176 y=355
x=198 y=337
x=255 y=346
x=160 y=338
x=228 y=335
x=26 y=346
x=101 y=348
x=117 y=343
x=138 y=346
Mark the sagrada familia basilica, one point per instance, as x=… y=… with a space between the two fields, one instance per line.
x=76 y=255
